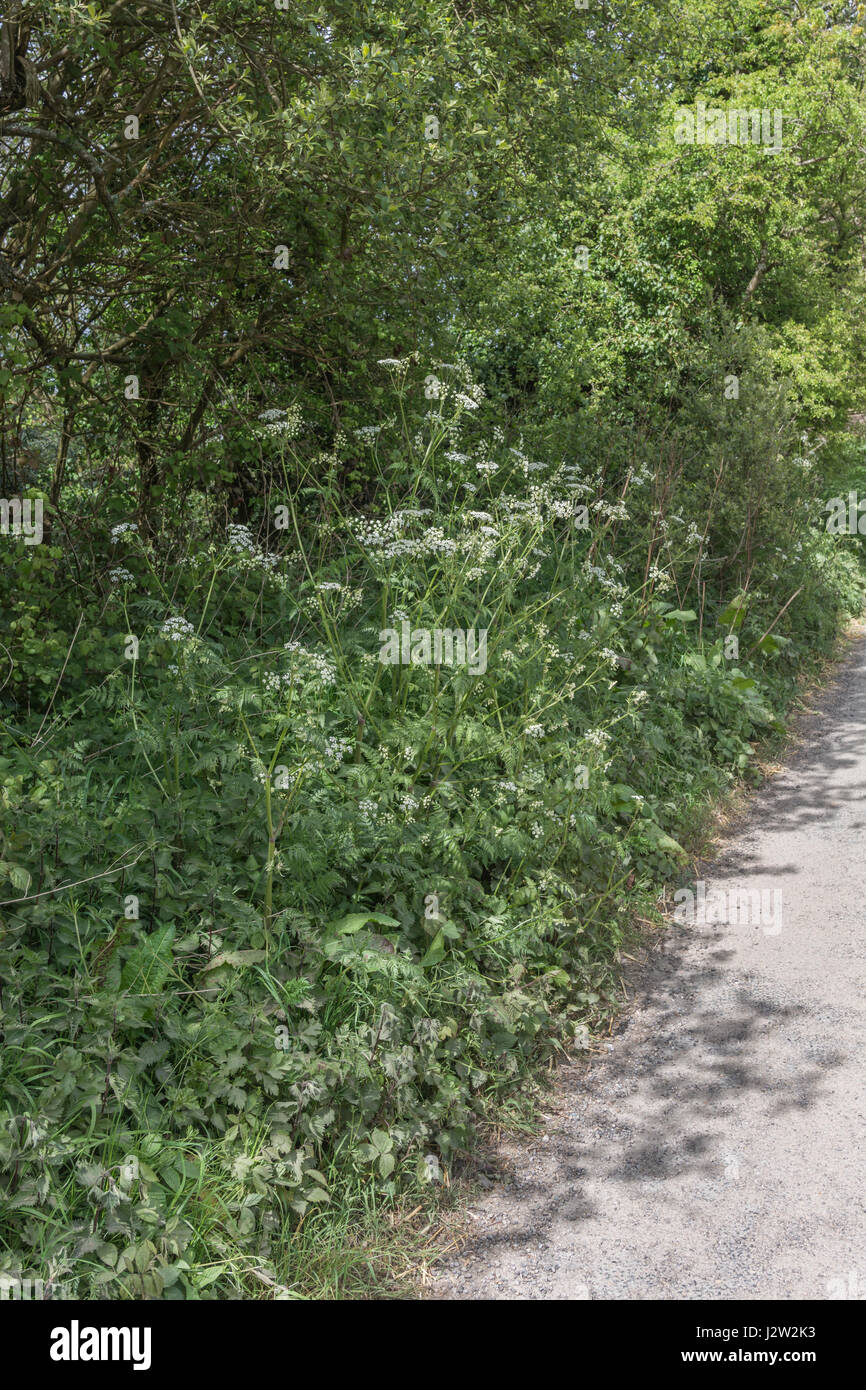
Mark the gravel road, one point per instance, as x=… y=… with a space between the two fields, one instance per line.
x=715 y=1147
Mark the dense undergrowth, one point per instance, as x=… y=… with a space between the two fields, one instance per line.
x=284 y=924
x=283 y=920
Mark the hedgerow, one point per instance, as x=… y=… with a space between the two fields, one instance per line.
x=431 y=451
x=282 y=917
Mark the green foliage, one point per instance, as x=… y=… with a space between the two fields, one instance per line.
x=282 y=922
x=277 y=1003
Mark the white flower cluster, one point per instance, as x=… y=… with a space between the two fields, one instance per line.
x=277 y=681
x=121 y=576
x=381 y=539
x=240 y=540
x=436 y=542
x=324 y=669
x=283 y=422
x=177 y=630
x=410 y=514
x=661 y=579
x=336 y=749
x=606 y=580
x=526 y=465
x=307 y=665
x=122 y=529
x=643 y=476
x=611 y=511
x=571 y=473
x=516 y=506
x=375 y=532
